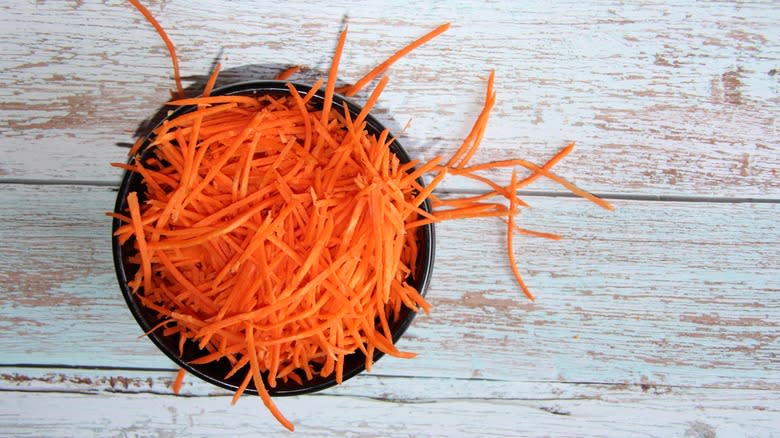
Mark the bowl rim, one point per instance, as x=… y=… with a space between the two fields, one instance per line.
x=425 y=256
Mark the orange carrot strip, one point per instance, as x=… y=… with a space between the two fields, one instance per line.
x=258 y=381
x=509 y=234
x=527 y=232
x=371 y=101
x=472 y=140
x=430 y=165
x=168 y=43
x=354 y=89
x=314 y=88
x=136 y=146
x=178 y=381
x=140 y=238
x=212 y=80
x=242 y=387
x=211 y=100
x=530 y=166
x=497 y=188
x=548 y=165
x=332 y=75
x=289 y=71
x=482 y=125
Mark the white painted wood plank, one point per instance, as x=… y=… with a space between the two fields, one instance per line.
x=367 y=385
x=693 y=412
x=672 y=97
x=406 y=389
x=667 y=293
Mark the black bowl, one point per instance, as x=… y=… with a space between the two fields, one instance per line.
x=214 y=372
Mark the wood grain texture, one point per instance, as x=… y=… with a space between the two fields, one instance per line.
x=660 y=319
x=584 y=410
x=662 y=98
x=656 y=292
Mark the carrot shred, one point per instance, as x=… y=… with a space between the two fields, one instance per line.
x=258 y=381
x=286 y=73
x=540 y=170
x=332 y=74
x=178 y=381
x=379 y=69
x=542 y=234
x=473 y=139
x=548 y=165
x=281 y=236
x=212 y=80
x=509 y=234
x=168 y=43
x=143 y=250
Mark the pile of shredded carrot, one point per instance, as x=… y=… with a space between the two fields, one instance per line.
x=280 y=235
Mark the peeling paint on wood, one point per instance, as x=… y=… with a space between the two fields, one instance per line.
x=655 y=290
x=658 y=320
x=751 y=413
x=660 y=97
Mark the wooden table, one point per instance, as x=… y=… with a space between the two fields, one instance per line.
x=660 y=319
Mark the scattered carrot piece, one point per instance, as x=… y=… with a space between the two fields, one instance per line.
x=473 y=139
x=178 y=381
x=540 y=170
x=332 y=74
x=379 y=69
x=510 y=232
x=168 y=43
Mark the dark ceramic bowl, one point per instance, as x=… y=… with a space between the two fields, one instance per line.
x=214 y=372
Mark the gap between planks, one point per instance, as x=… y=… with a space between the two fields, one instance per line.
x=6 y=368
x=466 y=191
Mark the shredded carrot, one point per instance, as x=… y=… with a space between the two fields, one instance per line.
x=212 y=80
x=510 y=232
x=178 y=381
x=258 y=381
x=251 y=209
x=378 y=70
x=286 y=73
x=143 y=251
x=331 y=84
x=472 y=141
x=281 y=236
x=168 y=43
x=540 y=170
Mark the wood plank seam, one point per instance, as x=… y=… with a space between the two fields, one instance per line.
x=524 y=193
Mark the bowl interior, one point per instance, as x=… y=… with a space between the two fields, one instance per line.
x=214 y=372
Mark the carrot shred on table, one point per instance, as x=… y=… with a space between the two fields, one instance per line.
x=510 y=232
x=178 y=381
x=168 y=43
x=281 y=236
x=379 y=69
x=473 y=139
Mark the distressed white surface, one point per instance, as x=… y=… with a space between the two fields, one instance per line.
x=655 y=291
x=660 y=319
x=685 y=412
x=636 y=309
x=669 y=97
